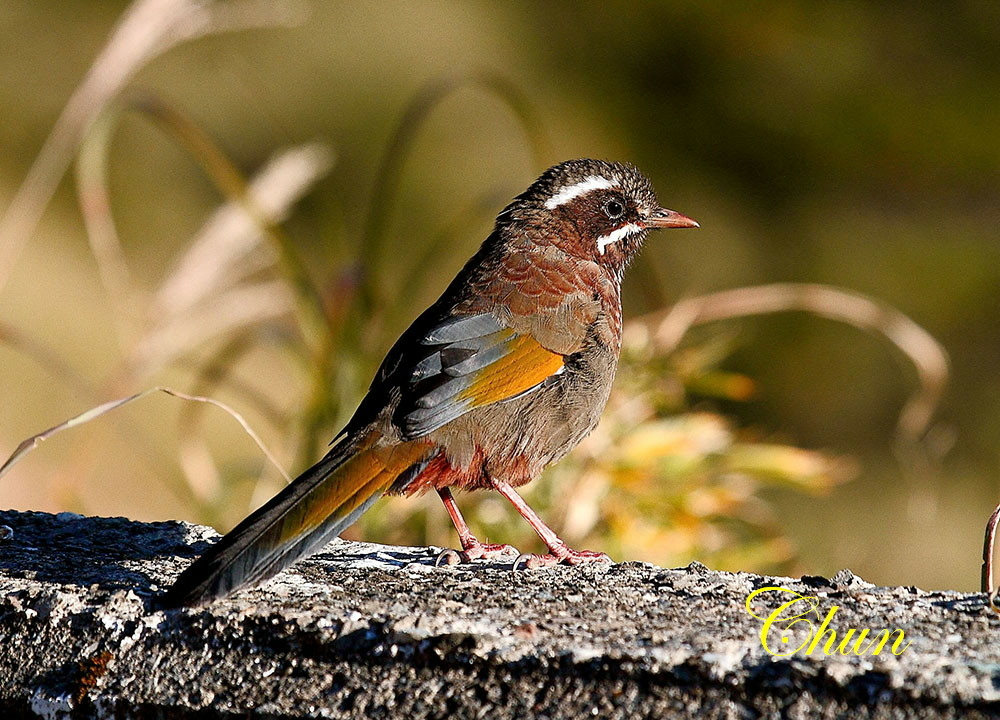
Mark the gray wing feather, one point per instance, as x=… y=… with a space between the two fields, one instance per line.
x=463 y=327
x=428 y=367
x=426 y=420
x=445 y=391
x=460 y=347
x=477 y=361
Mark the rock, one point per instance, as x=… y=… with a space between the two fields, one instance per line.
x=372 y=631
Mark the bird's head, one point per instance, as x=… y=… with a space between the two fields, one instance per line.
x=592 y=209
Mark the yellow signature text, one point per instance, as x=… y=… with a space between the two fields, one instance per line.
x=797 y=617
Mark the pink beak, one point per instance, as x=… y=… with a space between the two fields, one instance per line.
x=663 y=218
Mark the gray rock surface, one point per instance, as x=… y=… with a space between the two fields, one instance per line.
x=372 y=631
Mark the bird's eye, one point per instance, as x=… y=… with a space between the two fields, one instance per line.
x=614 y=208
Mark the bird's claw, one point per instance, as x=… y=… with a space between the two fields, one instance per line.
x=488 y=551
x=533 y=560
x=578 y=557
x=565 y=557
x=477 y=551
x=447 y=557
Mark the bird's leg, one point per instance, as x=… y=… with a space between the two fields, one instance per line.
x=472 y=548
x=559 y=551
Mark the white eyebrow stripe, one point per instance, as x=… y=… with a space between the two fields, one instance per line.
x=615 y=235
x=594 y=182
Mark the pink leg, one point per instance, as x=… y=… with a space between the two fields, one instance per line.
x=559 y=552
x=472 y=549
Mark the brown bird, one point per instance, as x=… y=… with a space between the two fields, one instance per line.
x=501 y=376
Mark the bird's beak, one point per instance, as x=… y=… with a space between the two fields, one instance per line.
x=663 y=218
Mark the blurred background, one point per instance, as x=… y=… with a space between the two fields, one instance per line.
x=851 y=144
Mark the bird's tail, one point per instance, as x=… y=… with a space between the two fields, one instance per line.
x=316 y=507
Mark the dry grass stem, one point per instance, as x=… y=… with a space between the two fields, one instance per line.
x=95 y=206
x=229 y=245
x=34 y=441
x=927 y=355
x=992 y=592
x=201 y=473
x=231 y=182
x=219 y=316
x=146 y=29
x=398 y=150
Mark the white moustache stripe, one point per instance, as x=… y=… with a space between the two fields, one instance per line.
x=615 y=235
x=594 y=182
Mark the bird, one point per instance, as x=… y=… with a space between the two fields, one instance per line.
x=503 y=375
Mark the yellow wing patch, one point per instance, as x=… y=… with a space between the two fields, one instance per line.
x=524 y=367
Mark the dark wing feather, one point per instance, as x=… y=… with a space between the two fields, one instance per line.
x=466 y=362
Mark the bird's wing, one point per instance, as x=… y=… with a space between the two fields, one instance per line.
x=465 y=362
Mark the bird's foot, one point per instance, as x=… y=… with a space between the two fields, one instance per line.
x=488 y=551
x=560 y=556
x=476 y=551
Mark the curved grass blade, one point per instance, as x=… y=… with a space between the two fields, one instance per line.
x=200 y=471
x=235 y=187
x=34 y=441
x=225 y=249
x=243 y=306
x=390 y=170
x=926 y=354
x=147 y=29
x=482 y=207
x=94 y=200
